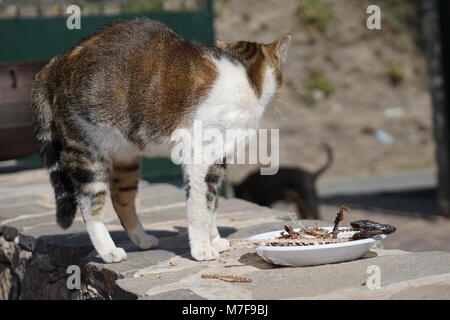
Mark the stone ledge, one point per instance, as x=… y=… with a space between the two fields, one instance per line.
x=35 y=254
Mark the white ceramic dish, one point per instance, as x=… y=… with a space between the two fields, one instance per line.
x=297 y=256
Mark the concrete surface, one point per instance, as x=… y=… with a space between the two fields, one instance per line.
x=35 y=254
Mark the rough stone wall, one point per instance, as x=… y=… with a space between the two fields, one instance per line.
x=13 y=261
x=31 y=275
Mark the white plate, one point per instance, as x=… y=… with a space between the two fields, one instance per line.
x=297 y=256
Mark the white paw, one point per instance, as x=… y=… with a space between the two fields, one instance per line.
x=220 y=244
x=142 y=240
x=115 y=255
x=205 y=252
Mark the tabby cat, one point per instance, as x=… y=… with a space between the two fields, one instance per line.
x=119 y=95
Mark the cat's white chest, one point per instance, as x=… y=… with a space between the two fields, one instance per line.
x=232 y=102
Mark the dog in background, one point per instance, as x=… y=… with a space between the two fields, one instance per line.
x=292 y=185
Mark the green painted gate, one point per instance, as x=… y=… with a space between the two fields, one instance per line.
x=41 y=38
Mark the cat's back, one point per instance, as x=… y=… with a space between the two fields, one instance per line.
x=117 y=47
x=110 y=56
x=140 y=64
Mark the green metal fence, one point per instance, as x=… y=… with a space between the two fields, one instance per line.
x=25 y=36
x=44 y=37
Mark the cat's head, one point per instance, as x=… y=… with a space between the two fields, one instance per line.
x=260 y=58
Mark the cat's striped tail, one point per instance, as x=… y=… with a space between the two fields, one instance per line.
x=51 y=147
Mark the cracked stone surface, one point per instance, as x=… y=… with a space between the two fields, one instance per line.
x=35 y=254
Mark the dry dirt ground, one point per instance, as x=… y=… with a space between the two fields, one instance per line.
x=358 y=63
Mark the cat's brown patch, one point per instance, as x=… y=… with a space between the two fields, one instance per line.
x=90 y=41
x=276 y=53
x=257 y=56
x=74 y=52
x=250 y=54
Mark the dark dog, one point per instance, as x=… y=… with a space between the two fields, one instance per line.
x=293 y=185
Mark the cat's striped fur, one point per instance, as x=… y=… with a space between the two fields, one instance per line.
x=119 y=94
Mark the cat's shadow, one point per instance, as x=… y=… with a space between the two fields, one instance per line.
x=176 y=242
x=77 y=246
x=180 y=239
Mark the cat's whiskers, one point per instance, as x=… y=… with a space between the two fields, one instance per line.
x=276 y=114
x=281 y=101
x=281 y=116
x=277 y=108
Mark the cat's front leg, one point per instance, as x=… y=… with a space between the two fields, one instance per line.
x=214 y=179
x=219 y=243
x=198 y=214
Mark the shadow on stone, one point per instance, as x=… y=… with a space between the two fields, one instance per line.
x=370 y=254
x=252 y=259
x=422 y=202
x=226 y=231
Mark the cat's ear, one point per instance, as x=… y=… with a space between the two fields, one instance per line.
x=280 y=47
x=221 y=44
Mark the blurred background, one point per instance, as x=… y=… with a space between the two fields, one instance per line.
x=369 y=94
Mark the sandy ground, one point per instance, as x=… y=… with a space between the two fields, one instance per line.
x=355 y=60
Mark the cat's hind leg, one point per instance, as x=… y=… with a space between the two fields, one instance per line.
x=124 y=180
x=89 y=173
